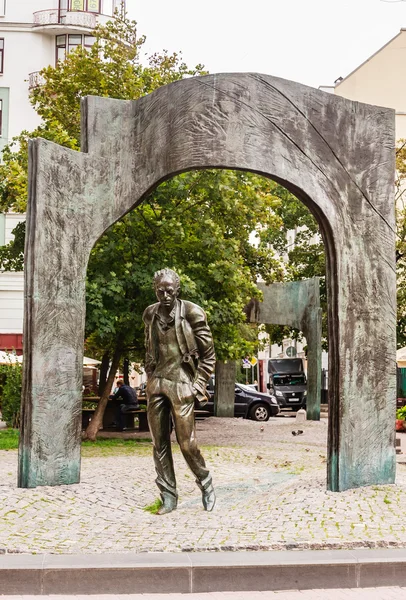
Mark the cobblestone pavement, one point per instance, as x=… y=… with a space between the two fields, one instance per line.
x=271 y=489
x=392 y=593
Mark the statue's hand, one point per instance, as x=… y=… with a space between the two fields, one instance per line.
x=200 y=396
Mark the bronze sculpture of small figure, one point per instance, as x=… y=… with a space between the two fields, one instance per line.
x=179 y=360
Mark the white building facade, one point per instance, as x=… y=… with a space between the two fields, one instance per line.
x=33 y=35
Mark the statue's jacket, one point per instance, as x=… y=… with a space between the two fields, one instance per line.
x=193 y=336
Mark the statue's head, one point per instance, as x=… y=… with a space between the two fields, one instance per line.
x=166 y=285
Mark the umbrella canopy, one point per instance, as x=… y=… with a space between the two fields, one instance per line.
x=401 y=354
x=9 y=358
x=90 y=362
x=401 y=357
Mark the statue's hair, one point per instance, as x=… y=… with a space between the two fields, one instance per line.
x=166 y=273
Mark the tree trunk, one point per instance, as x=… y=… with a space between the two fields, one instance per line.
x=97 y=419
x=104 y=369
x=126 y=371
x=224 y=396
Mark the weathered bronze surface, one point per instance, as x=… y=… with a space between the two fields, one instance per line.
x=297 y=304
x=336 y=155
x=179 y=360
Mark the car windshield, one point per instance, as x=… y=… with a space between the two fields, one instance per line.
x=246 y=388
x=285 y=365
x=288 y=380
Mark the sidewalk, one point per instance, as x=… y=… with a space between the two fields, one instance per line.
x=201 y=572
x=392 y=593
x=271 y=489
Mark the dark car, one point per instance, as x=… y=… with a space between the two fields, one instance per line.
x=248 y=403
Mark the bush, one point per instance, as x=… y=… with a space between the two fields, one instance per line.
x=10 y=394
x=401 y=413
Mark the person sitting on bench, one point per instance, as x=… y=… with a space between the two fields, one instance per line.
x=126 y=401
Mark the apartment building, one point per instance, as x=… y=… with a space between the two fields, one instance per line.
x=380 y=80
x=33 y=35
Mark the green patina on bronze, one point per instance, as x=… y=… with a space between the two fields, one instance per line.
x=179 y=359
x=335 y=155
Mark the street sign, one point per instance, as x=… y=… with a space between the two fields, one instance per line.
x=246 y=366
x=253 y=361
x=291 y=351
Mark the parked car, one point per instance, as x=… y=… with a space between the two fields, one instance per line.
x=248 y=403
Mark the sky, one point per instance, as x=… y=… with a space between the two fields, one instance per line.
x=310 y=41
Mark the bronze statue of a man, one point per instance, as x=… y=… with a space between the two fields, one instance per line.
x=179 y=360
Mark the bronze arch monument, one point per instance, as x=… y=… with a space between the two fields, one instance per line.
x=336 y=155
x=297 y=304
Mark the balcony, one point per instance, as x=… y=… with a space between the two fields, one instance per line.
x=35 y=80
x=55 y=22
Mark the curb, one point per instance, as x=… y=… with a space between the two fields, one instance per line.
x=49 y=574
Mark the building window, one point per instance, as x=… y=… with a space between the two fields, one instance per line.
x=1 y=118
x=74 y=41
x=60 y=47
x=117 y=5
x=2 y=8
x=1 y=55
x=88 y=41
x=77 y=4
x=85 y=5
x=93 y=6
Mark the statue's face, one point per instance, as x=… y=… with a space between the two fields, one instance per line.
x=166 y=292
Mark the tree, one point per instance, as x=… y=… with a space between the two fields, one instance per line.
x=200 y=224
x=304 y=255
x=112 y=68
x=400 y=205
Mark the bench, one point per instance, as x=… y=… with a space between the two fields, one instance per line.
x=87 y=414
x=109 y=415
x=141 y=413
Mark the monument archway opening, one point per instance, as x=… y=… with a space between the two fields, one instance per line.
x=224 y=231
x=335 y=155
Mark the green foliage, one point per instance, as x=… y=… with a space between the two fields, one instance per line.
x=401 y=242
x=101 y=447
x=201 y=224
x=9 y=439
x=14 y=165
x=198 y=223
x=110 y=68
x=305 y=257
x=12 y=254
x=401 y=413
x=10 y=394
x=154 y=507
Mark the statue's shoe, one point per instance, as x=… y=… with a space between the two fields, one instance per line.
x=208 y=493
x=209 y=499
x=169 y=503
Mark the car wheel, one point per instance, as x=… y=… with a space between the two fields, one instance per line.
x=260 y=412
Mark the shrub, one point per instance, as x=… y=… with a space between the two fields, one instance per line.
x=10 y=393
x=401 y=413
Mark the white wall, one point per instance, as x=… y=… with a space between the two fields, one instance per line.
x=24 y=53
x=11 y=288
x=381 y=80
x=21 y=11
x=11 y=303
x=12 y=220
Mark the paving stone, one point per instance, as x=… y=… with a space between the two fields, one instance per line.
x=278 y=502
